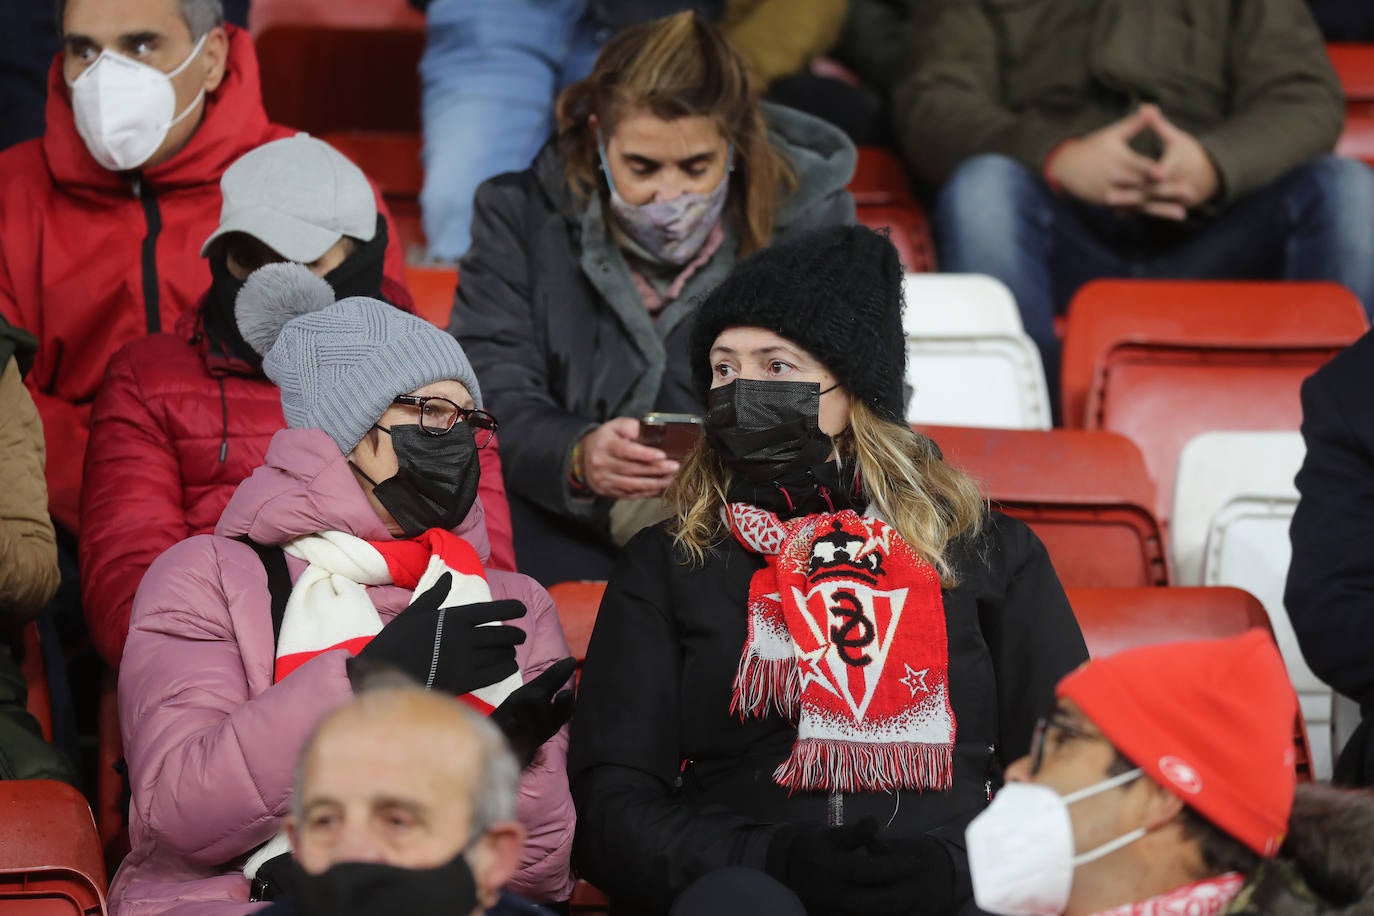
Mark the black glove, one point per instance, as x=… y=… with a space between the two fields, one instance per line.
x=838 y=870
x=532 y=714
x=458 y=658
x=943 y=887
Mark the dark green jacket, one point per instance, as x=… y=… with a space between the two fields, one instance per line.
x=1326 y=865
x=23 y=752
x=1249 y=78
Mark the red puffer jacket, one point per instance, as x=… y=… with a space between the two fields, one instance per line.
x=174 y=431
x=90 y=259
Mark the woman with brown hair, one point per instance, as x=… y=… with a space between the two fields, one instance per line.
x=819 y=664
x=585 y=270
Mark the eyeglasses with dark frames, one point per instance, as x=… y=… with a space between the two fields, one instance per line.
x=438 y=416
x=1056 y=728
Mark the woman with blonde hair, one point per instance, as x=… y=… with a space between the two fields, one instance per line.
x=819 y=664
x=585 y=270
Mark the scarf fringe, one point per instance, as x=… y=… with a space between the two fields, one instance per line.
x=761 y=683
x=849 y=766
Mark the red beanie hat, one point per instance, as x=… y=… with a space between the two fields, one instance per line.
x=1211 y=721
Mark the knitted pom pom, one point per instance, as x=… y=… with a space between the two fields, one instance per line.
x=272 y=296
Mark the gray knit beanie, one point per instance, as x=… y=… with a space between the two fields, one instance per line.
x=339 y=364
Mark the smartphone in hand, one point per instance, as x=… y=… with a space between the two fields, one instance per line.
x=675 y=433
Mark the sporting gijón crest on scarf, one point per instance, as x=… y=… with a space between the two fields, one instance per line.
x=847 y=638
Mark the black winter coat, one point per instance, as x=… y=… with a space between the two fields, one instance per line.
x=1330 y=590
x=560 y=338
x=669 y=785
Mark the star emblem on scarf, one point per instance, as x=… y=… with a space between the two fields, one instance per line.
x=915 y=680
x=809 y=664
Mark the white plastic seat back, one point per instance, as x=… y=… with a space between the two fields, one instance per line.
x=959 y=305
x=969 y=361
x=1237 y=489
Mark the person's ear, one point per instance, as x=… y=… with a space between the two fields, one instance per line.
x=1153 y=805
x=292 y=835
x=216 y=53
x=496 y=859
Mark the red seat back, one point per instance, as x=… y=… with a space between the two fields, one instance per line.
x=36 y=679
x=50 y=858
x=909 y=230
x=321 y=78
x=1161 y=361
x=433 y=289
x=1113 y=619
x=1354 y=63
x=1086 y=494
x=577 y=604
x=879 y=179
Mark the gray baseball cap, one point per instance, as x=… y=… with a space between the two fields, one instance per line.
x=298 y=196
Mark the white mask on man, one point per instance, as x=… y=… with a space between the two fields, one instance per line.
x=125 y=108
x=1021 y=849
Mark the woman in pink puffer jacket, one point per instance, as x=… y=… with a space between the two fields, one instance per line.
x=377 y=466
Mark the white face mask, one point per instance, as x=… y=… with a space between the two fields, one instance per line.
x=124 y=108
x=1021 y=849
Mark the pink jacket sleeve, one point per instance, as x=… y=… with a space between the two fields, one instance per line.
x=210 y=741
x=545 y=806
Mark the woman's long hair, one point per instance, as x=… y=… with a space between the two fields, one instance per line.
x=905 y=480
x=673 y=68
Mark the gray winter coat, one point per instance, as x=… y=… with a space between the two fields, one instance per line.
x=555 y=329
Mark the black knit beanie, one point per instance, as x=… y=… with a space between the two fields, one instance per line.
x=837 y=293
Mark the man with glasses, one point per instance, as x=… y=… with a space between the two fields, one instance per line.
x=1163 y=782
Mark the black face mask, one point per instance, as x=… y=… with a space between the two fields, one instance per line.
x=436 y=484
x=360 y=274
x=767 y=431
x=371 y=889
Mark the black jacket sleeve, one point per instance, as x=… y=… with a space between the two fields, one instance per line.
x=494 y=320
x=1030 y=630
x=635 y=840
x=1330 y=590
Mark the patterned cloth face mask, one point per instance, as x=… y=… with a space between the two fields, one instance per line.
x=671 y=230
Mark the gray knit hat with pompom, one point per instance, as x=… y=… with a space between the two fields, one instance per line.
x=339 y=364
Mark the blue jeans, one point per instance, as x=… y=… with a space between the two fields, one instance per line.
x=489 y=76
x=995 y=216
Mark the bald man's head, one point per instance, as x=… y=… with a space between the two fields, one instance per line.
x=405 y=777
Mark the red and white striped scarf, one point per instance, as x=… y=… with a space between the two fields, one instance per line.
x=329 y=607
x=847 y=637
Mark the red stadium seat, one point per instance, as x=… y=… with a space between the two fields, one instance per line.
x=588 y=901
x=1086 y=494
x=909 y=229
x=50 y=859
x=361 y=14
x=1113 y=619
x=879 y=179
x=1354 y=65
x=433 y=289
x=1161 y=361
x=109 y=785
x=577 y=604
x=36 y=678
x=320 y=78
x=393 y=161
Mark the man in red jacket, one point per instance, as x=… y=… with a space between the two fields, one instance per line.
x=102 y=218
